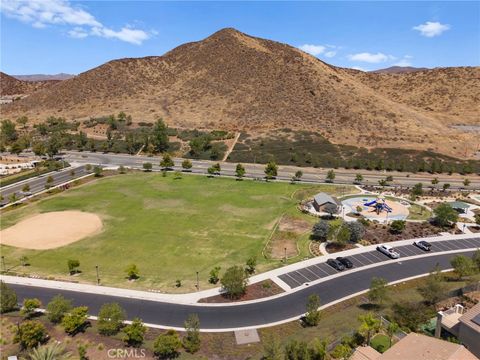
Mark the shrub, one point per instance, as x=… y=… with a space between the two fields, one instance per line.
x=110 y=319
x=166 y=345
x=30 y=334
x=57 y=308
x=8 y=298
x=134 y=333
x=234 y=282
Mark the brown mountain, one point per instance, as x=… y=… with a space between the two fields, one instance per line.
x=12 y=86
x=398 y=70
x=234 y=81
x=43 y=77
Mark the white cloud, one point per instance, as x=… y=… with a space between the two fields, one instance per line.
x=42 y=13
x=359 y=68
x=330 y=54
x=431 y=29
x=371 y=58
x=404 y=61
x=314 y=50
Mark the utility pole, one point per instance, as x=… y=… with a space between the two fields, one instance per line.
x=98 y=278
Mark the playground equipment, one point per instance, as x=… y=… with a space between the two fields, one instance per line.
x=379 y=205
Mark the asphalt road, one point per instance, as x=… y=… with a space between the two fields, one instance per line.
x=38 y=183
x=253 y=314
x=313 y=175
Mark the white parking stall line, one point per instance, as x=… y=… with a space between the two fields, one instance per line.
x=450 y=245
x=472 y=242
x=372 y=253
x=441 y=246
x=298 y=273
x=457 y=245
x=319 y=268
x=311 y=272
x=364 y=257
x=356 y=259
x=295 y=281
x=407 y=250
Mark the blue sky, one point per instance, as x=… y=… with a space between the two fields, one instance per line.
x=52 y=36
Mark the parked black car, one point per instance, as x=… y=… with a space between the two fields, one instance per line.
x=422 y=244
x=347 y=263
x=337 y=265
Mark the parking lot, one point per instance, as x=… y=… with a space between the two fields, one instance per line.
x=314 y=272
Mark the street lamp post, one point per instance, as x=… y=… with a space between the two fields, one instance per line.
x=285 y=254
x=3 y=263
x=198 y=283
x=98 y=278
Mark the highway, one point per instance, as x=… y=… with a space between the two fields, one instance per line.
x=311 y=175
x=227 y=317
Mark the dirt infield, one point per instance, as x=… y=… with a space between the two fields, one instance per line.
x=51 y=230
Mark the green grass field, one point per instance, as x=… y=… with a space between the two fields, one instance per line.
x=170 y=228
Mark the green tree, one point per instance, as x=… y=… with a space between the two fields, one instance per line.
x=298 y=175
x=391 y=330
x=54 y=351
x=97 y=171
x=330 y=176
x=445 y=215
x=416 y=191
x=356 y=229
x=476 y=259
x=368 y=325
x=53 y=145
x=251 y=264
x=358 y=179
x=318 y=349
x=12 y=198
x=132 y=272
x=160 y=136
x=211 y=171
x=320 y=230
x=272 y=348
x=16 y=148
x=214 y=275
x=378 y=291
x=186 y=165
x=382 y=182
x=217 y=169
x=110 y=319
x=339 y=233
x=435 y=181
x=73 y=265
x=341 y=351
x=147 y=166
x=463 y=266
x=433 y=289
x=49 y=182
x=30 y=307
x=191 y=340
x=134 y=333
x=57 y=308
x=397 y=226
x=121 y=169
x=38 y=148
x=166 y=346
x=24 y=260
x=466 y=182
x=82 y=351
x=166 y=162
x=74 y=320
x=26 y=188
x=297 y=350
x=446 y=186
x=271 y=170
x=8 y=133
x=234 y=282
x=8 y=298
x=411 y=314
x=30 y=334
x=239 y=171
x=313 y=314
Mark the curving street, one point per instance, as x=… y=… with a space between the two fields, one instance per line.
x=269 y=311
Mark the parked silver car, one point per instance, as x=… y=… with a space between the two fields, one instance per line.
x=389 y=251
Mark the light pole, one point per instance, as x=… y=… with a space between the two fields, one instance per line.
x=285 y=254
x=198 y=283
x=3 y=263
x=98 y=278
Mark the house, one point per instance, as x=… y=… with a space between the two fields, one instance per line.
x=417 y=347
x=465 y=325
x=321 y=200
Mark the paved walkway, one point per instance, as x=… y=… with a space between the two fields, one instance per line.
x=192 y=298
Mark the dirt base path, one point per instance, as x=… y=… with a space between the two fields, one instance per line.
x=51 y=230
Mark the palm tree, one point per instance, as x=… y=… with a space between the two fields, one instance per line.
x=368 y=325
x=55 y=351
x=392 y=329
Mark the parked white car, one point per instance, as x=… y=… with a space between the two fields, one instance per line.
x=389 y=251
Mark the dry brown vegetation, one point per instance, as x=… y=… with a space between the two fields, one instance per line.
x=233 y=81
x=11 y=86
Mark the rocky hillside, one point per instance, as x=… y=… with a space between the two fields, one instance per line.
x=233 y=81
x=12 y=86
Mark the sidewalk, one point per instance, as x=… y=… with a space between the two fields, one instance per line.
x=192 y=298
